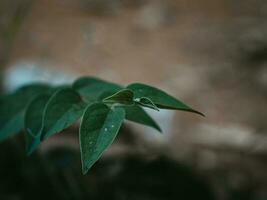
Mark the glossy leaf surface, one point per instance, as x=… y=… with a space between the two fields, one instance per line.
x=98 y=129
x=63 y=109
x=159 y=97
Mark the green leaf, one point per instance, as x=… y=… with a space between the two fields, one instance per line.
x=159 y=97
x=63 y=109
x=12 y=108
x=146 y=102
x=139 y=115
x=33 y=121
x=94 y=89
x=98 y=129
x=124 y=96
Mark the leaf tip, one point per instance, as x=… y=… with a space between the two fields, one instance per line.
x=199 y=113
x=85 y=169
x=159 y=129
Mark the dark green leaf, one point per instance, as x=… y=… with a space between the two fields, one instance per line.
x=137 y=114
x=146 y=102
x=93 y=89
x=124 y=96
x=159 y=97
x=63 y=109
x=99 y=127
x=33 y=121
x=13 y=106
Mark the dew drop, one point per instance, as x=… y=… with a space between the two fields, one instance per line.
x=105 y=129
x=112 y=126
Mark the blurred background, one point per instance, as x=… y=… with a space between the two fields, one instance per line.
x=212 y=54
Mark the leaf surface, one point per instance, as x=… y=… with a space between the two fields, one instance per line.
x=159 y=97
x=12 y=108
x=146 y=102
x=33 y=121
x=139 y=115
x=124 y=96
x=63 y=109
x=94 y=89
x=98 y=129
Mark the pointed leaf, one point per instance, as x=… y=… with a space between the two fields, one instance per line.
x=12 y=108
x=139 y=115
x=63 y=109
x=124 y=96
x=146 y=102
x=99 y=127
x=33 y=121
x=92 y=89
x=159 y=97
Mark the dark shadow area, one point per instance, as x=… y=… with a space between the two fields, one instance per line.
x=57 y=175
